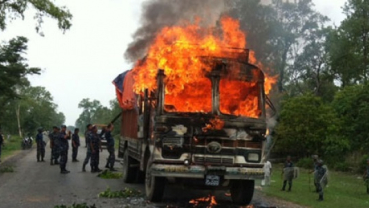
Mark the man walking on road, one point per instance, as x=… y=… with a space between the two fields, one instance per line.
x=75 y=145
x=88 y=152
x=64 y=137
x=40 y=146
x=110 y=143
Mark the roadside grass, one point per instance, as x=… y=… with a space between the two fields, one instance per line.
x=11 y=146
x=125 y=193
x=344 y=190
x=7 y=169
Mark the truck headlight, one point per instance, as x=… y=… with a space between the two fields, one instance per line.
x=253 y=157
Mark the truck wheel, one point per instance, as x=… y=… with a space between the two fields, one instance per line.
x=154 y=186
x=242 y=191
x=129 y=169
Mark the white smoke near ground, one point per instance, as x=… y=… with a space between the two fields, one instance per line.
x=158 y=14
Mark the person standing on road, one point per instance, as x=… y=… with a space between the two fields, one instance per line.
x=75 y=145
x=95 y=150
x=321 y=175
x=288 y=174
x=110 y=146
x=1 y=143
x=40 y=146
x=88 y=152
x=56 y=145
x=267 y=171
x=51 y=139
x=64 y=146
x=88 y=130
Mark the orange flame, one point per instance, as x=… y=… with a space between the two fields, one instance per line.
x=209 y=199
x=215 y=123
x=180 y=50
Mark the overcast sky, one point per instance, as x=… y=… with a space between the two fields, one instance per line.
x=83 y=62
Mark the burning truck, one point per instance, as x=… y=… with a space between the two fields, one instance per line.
x=193 y=112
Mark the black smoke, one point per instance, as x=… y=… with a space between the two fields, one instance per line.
x=157 y=14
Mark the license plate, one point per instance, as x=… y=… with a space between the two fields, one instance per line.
x=212 y=180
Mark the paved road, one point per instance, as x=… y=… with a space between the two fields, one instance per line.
x=37 y=185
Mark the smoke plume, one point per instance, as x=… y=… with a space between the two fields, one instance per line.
x=158 y=14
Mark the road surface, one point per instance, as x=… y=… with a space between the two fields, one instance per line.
x=38 y=184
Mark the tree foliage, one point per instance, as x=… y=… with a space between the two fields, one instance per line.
x=308 y=126
x=93 y=112
x=352 y=106
x=13 y=67
x=13 y=9
x=34 y=109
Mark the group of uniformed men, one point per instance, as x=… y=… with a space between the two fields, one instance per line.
x=59 y=145
x=319 y=171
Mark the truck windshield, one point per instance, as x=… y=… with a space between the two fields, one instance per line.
x=192 y=97
x=239 y=98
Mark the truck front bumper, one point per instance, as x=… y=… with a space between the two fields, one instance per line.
x=198 y=171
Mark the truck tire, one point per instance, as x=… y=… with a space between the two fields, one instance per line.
x=129 y=169
x=242 y=191
x=154 y=186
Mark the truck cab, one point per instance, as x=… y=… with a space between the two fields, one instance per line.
x=215 y=141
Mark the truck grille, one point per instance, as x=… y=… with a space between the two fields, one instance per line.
x=214 y=160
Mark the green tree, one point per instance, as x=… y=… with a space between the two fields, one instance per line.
x=34 y=108
x=13 y=67
x=311 y=71
x=352 y=106
x=349 y=50
x=90 y=111
x=308 y=126
x=13 y=9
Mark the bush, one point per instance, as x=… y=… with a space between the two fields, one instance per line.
x=341 y=166
x=306 y=163
x=363 y=164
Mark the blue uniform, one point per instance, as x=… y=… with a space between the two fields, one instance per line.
x=110 y=142
x=288 y=172
x=367 y=179
x=320 y=173
x=40 y=147
x=63 y=148
x=95 y=155
x=88 y=152
x=75 y=139
x=54 y=141
x=1 y=144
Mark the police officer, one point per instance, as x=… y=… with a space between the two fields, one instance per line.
x=40 y=146
x=88 y=152
x=288 y=174
x=75 y=145
x=95 y=150
x=321 y=176
x=64 y=136
x=52 y=136
x=366 y=176
x=315 y=165
x=110 y=146
x=1 y=143
x=56 y=146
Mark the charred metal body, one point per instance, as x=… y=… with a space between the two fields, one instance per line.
x=189 y=147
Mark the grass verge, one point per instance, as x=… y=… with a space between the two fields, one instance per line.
x=127 y=192
x=344 y=190
x=11 y=146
